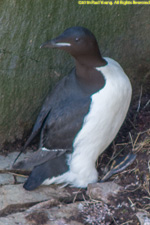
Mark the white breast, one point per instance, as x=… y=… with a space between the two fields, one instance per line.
x=108 y=110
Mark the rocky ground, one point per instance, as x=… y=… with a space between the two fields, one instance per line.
x=123 y=200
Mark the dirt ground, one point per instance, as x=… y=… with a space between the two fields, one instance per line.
x=133 y=136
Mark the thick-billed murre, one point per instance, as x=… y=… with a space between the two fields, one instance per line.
x=80 y=117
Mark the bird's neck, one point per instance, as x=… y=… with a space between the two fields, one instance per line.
x=88 y=78
x=85 y=65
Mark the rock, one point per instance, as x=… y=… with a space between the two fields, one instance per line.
x=6 y=179
x=7 y=174
x=102 y=191
x=144 y=218
x=60 y=215
x=7 y=161
x=13 y=219
x=46 y=204
x=14 y=197
x=11 y=178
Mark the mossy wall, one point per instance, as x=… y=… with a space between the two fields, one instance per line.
x=27 y=72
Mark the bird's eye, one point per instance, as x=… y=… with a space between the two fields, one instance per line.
x=77 y=39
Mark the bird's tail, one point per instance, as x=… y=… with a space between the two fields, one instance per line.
x=47 y=170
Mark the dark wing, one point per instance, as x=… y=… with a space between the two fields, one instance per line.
x=55 y=95
x=38 y=125
x=45 y=110
x=64 y=122
x=61 y=116
x=58 y=132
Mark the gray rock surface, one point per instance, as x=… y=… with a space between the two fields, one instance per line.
x=144 y=218
x=102 y=191
x=15 y=195
x=17 y=218
x=7 y=174
x=6 y=178
x=60 y=215
x=7 y=161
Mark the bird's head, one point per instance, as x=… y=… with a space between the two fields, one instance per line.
x=78 y=41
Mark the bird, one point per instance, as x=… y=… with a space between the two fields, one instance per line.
x=80 y=117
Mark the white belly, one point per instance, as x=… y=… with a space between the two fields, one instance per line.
x=107 y=112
